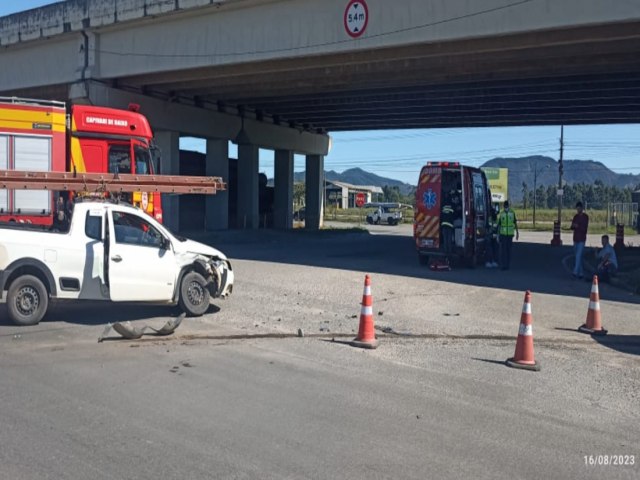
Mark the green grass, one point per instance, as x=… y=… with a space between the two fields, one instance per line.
x=358 y=215
x=546 y=216
x=544 y=219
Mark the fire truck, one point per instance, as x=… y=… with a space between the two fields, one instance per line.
x=43 y=135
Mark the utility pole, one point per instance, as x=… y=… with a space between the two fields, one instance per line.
x=535 y=194
x=557 y=240
x=560 y=171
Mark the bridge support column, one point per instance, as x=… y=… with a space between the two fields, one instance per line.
x=283 y=207
x=169 y=143
x=217 y=206
x=248 y=204
x=314 y=197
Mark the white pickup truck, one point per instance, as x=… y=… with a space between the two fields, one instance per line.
x=111 y=252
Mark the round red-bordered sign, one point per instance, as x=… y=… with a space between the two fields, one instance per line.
x=356 y=18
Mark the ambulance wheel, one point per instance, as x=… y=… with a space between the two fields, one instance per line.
x=27 y=300
x=194 y=294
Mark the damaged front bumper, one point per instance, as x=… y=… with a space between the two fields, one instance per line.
x=221 y=271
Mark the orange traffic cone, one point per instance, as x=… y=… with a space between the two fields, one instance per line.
x=366 y=333
x=594 y=322
x=524 y=358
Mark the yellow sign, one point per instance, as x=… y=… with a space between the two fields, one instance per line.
x=498 y=179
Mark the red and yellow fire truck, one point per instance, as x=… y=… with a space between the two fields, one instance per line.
x=42 y=135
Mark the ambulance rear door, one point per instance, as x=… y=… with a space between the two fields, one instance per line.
x=428 y=206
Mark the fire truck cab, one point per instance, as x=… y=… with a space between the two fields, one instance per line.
x=463 y=193
x=42 y=135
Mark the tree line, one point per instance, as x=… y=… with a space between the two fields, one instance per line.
x=393 y=195
x=595 y=195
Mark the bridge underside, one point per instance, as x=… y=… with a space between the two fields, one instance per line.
x=580 y=76
x=572 y=76
x=586 y=75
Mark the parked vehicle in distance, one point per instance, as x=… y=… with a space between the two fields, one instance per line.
x=466 y=192
x=384 y=213
x=112 y=252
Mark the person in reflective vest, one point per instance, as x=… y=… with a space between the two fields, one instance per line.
x=446 y=225
x=507 y=225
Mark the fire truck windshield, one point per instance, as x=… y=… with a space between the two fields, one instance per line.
x=143 y=160
x=119 y=159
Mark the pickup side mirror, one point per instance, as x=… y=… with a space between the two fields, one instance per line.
x=165 y=243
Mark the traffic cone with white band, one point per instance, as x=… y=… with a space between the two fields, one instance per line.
x=524 y=357
x=366 y=333
x=593 y=325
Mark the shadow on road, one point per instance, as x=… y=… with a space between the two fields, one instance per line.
x=488 y=360
x=101 y=313
x=620 y=343
x=536 y=267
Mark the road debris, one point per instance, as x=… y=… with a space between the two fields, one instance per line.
x=128 y=331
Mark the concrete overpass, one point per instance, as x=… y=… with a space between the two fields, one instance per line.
x=289 y=71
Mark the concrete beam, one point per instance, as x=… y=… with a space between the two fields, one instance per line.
x=283 y=203
x=169 y=144
x=64 y=17
x=217 y=164
x=200 y=122
x=314 y=208
x=248 y=198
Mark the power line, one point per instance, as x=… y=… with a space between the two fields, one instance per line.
x=323 y=44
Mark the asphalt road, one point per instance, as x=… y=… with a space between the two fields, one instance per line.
x=224 y=399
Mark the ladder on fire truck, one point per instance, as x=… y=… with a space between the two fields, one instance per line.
x=97 y=183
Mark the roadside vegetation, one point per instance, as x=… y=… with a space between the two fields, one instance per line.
x=359 y=215
x=545 y=218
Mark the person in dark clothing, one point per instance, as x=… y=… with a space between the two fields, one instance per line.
x=62 y=215
x=446 y=225
x=492 y=252
x=579 y=225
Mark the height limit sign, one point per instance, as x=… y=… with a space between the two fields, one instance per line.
x=356 y=18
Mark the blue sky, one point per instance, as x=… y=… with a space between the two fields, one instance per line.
x=399 y=154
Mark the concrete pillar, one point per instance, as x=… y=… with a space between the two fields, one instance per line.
x=248 y=165
x=217 y=206
x=283 y=202
x=169 y=143
x=314 y=208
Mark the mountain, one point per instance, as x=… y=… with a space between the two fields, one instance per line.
x=575 y=171
x=357 y=176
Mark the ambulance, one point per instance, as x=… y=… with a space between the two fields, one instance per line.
x=466 y=191
x=46 y=135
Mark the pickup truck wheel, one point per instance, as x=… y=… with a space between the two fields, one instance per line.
x=194 y=295
x=27 y=300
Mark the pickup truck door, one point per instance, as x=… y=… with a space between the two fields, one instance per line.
x=140 y=267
